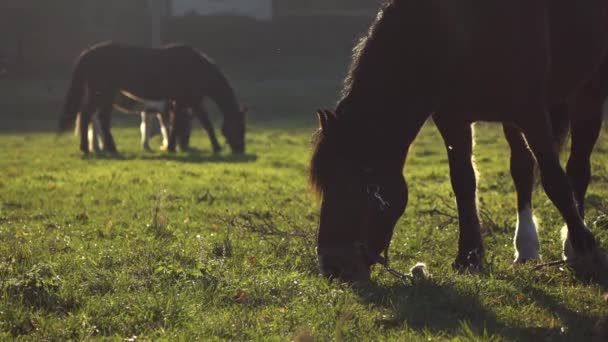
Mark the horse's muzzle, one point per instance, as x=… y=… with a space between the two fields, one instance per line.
x=348 y=263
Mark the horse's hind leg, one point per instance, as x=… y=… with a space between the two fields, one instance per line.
x=83 y=125
x=536 y=126
x=586 y=122
x=458 y=138
x=525 y=241
x=105 y=122
x=203 y=117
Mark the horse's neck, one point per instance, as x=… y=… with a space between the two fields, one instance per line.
x=225 y=99
x=383 y=124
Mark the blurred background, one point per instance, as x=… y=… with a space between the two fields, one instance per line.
x=285 y=58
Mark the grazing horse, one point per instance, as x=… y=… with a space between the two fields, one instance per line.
x=464 y=61
x=175 y=73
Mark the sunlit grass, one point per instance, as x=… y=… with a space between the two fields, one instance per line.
x=196 y=246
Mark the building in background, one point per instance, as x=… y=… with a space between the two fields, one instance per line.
x=43 y=35
x=286 y=8
x=134 y=21
x=258 y=9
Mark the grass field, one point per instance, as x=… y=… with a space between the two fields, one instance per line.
x=150 y=246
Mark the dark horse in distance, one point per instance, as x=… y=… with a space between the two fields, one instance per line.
x=460 y=61
x=176 y=73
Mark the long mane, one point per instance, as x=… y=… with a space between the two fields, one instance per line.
x=323 y=150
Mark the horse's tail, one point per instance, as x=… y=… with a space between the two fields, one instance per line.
x=74 y=98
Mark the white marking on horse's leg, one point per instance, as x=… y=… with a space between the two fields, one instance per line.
x=95 y=141
x=77 y=124
x=567 y=251
x=526 y=242
x=145 y=132
x=163 y=131
x=97 y=133
x=92 y=138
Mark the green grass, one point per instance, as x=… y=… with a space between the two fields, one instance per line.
x=192 y=246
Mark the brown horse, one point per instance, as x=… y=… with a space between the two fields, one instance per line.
x=464 y=61
x=175 y=73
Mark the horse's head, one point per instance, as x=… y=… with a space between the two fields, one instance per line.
x=233 y=130
x=362 y=199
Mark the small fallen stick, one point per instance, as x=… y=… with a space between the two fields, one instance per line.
x=552 y=264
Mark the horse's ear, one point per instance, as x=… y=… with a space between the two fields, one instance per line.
x=327 y=121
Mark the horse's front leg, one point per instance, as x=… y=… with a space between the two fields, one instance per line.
x=586 y=123
x=527 y=245
x=105 y=119
x=178 y=125
x=83 y=126
x=203 y=117
x=458 y=138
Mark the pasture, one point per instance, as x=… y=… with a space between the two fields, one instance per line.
x=146 y=246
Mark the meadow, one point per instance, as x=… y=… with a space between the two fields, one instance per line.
x=193 y=246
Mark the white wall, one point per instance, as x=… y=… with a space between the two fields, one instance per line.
x=259 y=9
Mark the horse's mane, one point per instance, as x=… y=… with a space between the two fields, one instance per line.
x=358 y=53
x=317 y=175
x=323 y=150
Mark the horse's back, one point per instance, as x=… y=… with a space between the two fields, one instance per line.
x=508 y=52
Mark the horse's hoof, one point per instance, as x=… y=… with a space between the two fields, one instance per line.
x=520 y=259
x=591 y=266
x=472 y=262
x=163 y=148
x=580 y=244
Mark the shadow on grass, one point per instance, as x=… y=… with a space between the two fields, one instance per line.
x=445 y=309
x=191 y=156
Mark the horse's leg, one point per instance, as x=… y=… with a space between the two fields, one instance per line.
x=537 y=130
x=145 y=131
x=203 y=117
x=164 y=121
x=184 y=136
x=526 y=241
x=177 y=125
x=105 y=117
x=83 y=126
x=586 y=122
x=458 y=138
x=95 y=141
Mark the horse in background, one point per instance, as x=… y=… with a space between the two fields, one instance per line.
x=465 y=61
x=176 y=73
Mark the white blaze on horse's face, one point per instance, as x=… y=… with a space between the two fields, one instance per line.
x=526 y=242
